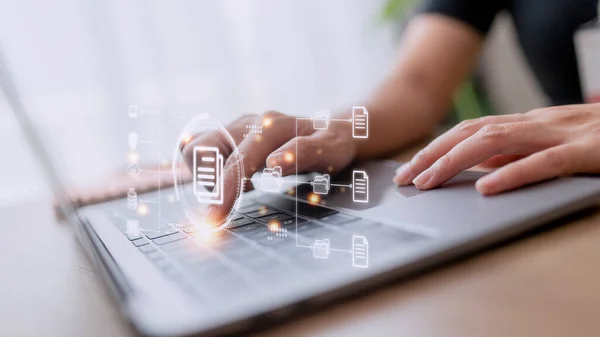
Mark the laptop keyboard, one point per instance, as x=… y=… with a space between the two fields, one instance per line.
x=251 y=251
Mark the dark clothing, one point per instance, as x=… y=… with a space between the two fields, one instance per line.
x=545 y=29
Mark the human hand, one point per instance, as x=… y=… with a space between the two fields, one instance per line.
x=283 y=139
x=526 y=148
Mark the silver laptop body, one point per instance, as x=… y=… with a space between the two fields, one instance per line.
x=178 y=282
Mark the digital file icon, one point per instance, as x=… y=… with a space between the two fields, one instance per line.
x=133 y=170
x=360 y=122
x=321 y=120
x=360 y=186
x=132 y=140
x=271 y=179
x=321 y=249
x=360 y=251
x=208 y=175
x=321 y=184
x=133 y=228
x=133 y=111
x=132 y=199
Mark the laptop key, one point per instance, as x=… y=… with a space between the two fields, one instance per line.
x=244 y=230
x=140 y=242
x=133 y=237
x=275 y=217
x=304 y=209
x=147 y=249
x=262 y=212
x=153 y=234
x=155 y=255
x=240 y=222
x=170 y=238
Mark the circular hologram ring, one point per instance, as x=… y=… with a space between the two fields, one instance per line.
x=208 y=171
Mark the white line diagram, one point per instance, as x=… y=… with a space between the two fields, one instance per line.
x=321 y=248
x=134 y=112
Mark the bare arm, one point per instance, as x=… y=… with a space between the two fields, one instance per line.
x=436 y=54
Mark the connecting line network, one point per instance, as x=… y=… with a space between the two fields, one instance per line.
x=321 y=183
x=134 y=171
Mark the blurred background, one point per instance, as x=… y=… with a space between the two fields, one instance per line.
x=80 y=64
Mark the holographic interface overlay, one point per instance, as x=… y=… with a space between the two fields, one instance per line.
x=206 y=152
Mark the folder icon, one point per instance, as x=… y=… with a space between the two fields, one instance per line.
x=321 y=120
x=321 y=249
x=208 y=175
x=271 y=179
x=321 y=184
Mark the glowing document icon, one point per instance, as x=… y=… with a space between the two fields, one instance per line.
x=208 y=175
x=321 y=249
x=360 y=122
x=360 y=186
x=360 y=252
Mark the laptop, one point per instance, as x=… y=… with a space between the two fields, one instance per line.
x=179 y=281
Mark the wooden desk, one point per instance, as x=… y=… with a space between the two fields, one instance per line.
x=544 y=285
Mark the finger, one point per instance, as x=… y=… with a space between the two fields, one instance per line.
x=253 y=151
x=500 y=160
x=554 y=162
x=216 y=139
x=321 y=151
x=511 y=138
x=444 y=143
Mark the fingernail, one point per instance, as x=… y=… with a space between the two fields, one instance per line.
x=279 y=159
x=275 y=159
x=402 y=174
x=489 y=184
x=422 y=180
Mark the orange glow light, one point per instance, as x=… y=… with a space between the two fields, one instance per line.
x=262 y=210
x=288 y=157
x=133 y=157
x=314 y=198
x=267 y=122
x=274 y=226
x=142 y=209
x=186 y=139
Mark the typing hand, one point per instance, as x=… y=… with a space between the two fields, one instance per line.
x=318 y=150
x=525 y=148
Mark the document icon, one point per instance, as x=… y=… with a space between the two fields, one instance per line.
x=321 y=120
x=321 y=184
x=208 y=175
x=321 y=249
x=360 y=252
x=360 y=186
x=360 y=122
x=133 y=228
x=271 y=179
x=133 y=111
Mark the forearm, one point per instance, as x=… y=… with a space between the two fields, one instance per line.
x=435 y=56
